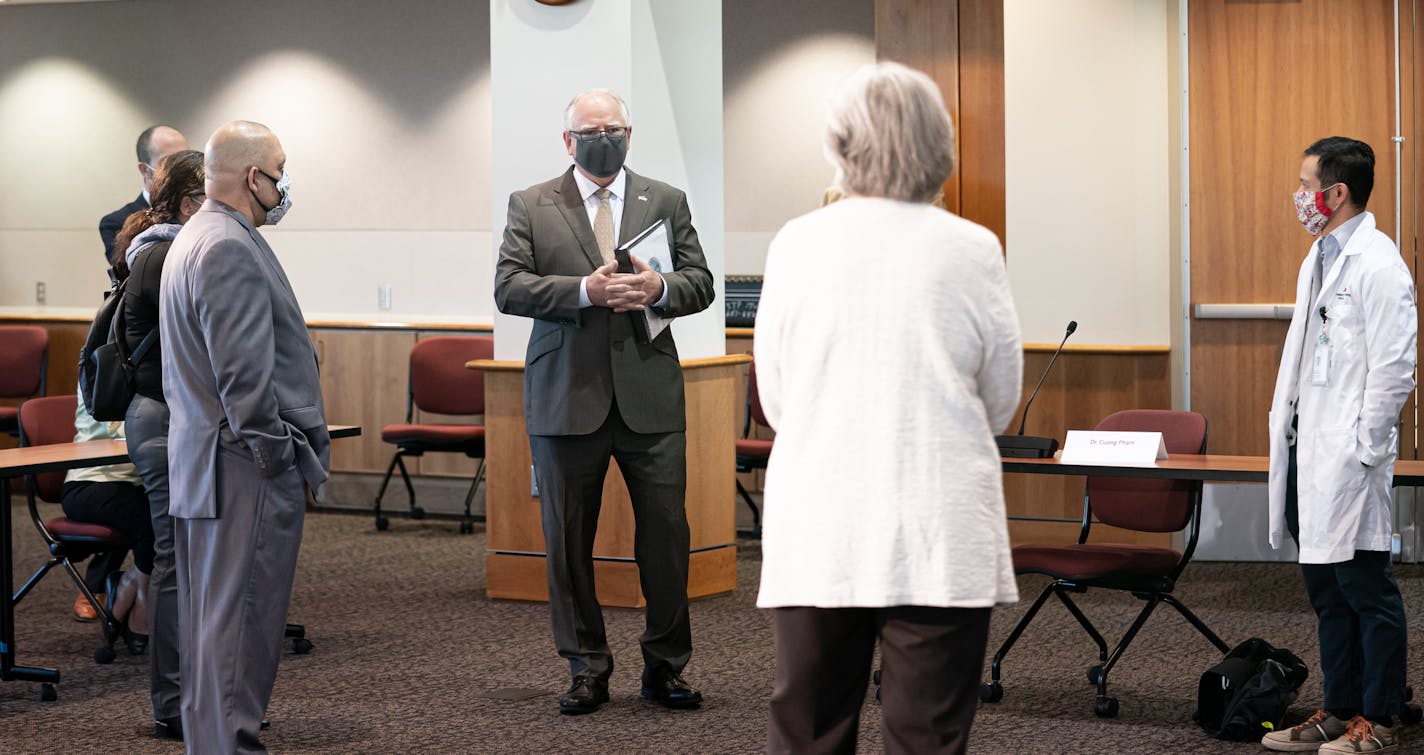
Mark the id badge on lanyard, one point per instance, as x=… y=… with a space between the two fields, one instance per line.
x=1320 y=373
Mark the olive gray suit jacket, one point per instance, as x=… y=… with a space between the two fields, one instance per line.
x=576 y=363
x=239 y=369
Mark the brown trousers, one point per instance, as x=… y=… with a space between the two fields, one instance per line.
x=930 y=663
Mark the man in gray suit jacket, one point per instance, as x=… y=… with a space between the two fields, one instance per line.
x=246 y=439
x=593 y=390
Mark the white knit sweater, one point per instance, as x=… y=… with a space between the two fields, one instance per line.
x=887 y=355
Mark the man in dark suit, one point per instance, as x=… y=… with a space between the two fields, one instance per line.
x=595 y=390
x=154 y=144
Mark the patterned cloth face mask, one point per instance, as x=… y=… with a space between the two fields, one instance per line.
x=1311 y=210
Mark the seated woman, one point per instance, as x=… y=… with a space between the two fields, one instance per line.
x=113 y=496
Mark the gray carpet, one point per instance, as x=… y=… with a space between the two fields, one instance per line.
x=409 y=650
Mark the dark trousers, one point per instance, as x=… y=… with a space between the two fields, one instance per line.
x=117 y=505
x=146 y=425
x=930 y=663
x=1360 y=618
x=570 y=470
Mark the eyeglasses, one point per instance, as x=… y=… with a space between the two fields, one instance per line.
x=594 y=133
x=198 y=198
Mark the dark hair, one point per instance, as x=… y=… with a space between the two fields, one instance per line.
x=179 y=175
x=1346 y=161
x=145 y=142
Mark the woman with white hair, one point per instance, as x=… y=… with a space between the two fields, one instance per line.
x=887 y=356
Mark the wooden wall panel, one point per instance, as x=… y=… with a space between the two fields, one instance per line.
x=1084 y=387
x=1266 y=80
x=363 y=380
x=980 y=119
x=924 y=34
x=959 y=44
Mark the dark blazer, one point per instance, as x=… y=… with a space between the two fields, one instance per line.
x=579 y=360
x=111 y=224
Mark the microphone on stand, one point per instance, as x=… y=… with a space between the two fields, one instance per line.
x=1028 y=446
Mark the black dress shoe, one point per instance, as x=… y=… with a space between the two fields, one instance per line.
x=586 y=694
x=169 y=728
x=671 y=692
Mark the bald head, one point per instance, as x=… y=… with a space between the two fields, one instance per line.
x=243 y=161
x=154 y=144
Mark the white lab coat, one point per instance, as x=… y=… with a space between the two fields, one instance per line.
x=1349 y=441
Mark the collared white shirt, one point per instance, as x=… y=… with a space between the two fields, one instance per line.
x=1327 y=252
x=588 y=188
x=616 y=192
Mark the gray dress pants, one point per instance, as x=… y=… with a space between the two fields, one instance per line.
x=146 y=427
x=235 y=577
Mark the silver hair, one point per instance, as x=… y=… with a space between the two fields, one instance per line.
x=622 y=106
x=888 y=134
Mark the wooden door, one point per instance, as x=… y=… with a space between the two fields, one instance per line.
x=1266 y=79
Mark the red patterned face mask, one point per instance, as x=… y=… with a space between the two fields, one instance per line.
x=1311 y=210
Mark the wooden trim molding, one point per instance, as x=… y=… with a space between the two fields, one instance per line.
x=504 y=365
x=1096 y=348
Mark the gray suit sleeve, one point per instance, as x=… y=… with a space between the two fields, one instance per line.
x=690 y=282
x=234 y=303
x=519 y=288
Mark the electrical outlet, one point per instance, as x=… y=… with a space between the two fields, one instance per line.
x=383 y=298
x=40 y=296
x=533 y=483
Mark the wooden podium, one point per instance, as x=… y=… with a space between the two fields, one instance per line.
x=514 y=563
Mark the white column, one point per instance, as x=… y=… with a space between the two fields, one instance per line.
x=665 y=58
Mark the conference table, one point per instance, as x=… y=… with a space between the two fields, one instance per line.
x=1408 y=473
x=19 y=462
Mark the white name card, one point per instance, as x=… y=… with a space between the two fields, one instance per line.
x=1102 y=447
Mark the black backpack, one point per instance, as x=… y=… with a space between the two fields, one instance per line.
x=1247 y=694
x=106 y=368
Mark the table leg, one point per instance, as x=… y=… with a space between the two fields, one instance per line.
x=8 y=670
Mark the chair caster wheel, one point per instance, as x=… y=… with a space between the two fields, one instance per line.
x=104 y=656
x=48 y=693
x=382 y=523
x=875 y=677
x=301 y=646
x=1105 y=707
x=991 y=692
x=467 y=527
x=1095 y=675
x=417 y=512
x=1408 y=693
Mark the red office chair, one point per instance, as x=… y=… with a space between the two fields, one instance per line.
x=43 y=422
x=440 y=384
x=752 y=453
x=1148 y=573
x=23 y=352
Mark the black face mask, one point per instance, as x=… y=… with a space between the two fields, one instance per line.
x=601 y=156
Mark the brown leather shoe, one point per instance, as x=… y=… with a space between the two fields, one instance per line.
x=83 y=611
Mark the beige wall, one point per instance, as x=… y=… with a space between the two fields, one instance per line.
x=1089 y=168
x=778 y=61
x=384 y=110
x=383 y=113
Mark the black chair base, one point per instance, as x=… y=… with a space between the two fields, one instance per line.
x=298 y=634
x=756 y=512
x=467 y=522
x=1103 y=706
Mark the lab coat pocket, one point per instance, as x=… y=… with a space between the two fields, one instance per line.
x=1335 y=470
